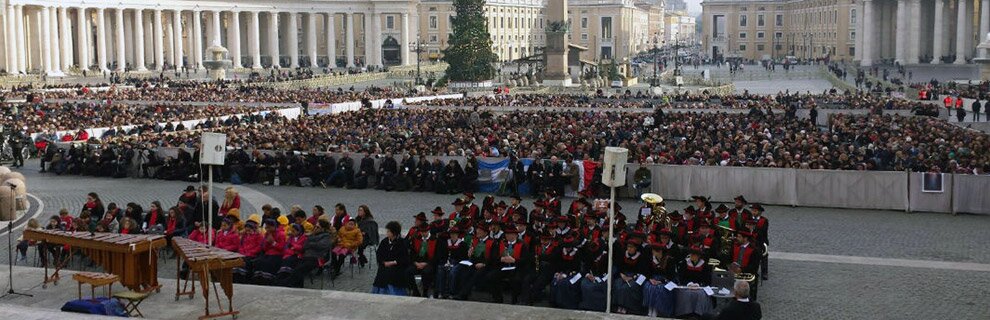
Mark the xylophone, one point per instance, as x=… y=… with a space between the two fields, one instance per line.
x=207 y=262
x=133 y=257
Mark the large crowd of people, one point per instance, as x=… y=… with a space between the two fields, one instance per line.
x=548 y=254
x=781 y=101
x=756 y=139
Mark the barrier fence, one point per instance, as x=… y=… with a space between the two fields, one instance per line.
x=881 y=190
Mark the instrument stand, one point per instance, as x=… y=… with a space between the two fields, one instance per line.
x=10 y=259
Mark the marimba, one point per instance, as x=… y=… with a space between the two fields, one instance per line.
x=207 y=262
x=132 y=257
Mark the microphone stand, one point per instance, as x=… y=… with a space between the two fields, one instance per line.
x=10 y=254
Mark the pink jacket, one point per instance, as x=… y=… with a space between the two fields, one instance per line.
x=228 y=240
x=294 y=247
x=200 y=237
x=251 y=244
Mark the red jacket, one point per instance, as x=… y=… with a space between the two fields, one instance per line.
x=198 y=236
x=275 y=245
x=225 y=208
x=294 y=247
x=251 y=244
x=228 y=240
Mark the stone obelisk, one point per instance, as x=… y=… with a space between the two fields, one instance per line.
x=556 y=73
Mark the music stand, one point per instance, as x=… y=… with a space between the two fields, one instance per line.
x=10 y=253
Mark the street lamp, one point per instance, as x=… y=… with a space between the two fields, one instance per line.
x=418 y=49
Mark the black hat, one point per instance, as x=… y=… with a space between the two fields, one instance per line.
x=437 y=211
x=420 y=216
x=458 y=202
x=757 y=207
x=516 y=197
x=722 y=208
x=190 y=188
x=740 y=198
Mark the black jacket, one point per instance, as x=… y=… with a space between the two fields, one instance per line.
x=317 y=245
x=392 y=250
x=741 y=311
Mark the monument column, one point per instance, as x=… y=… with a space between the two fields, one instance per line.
x=177 y=40
x=405 y=39
x=101 y=39
x=197 y=34
x=311 y=39
x=938 y=31
x=556 y=73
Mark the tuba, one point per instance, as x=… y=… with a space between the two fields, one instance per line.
x=725 y=249
x=658 y=213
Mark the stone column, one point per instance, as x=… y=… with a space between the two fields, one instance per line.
x=119 y=34
x=938 y=31
x=293 y=33
x=21 y=41
x=900 y=44
x=868 y=34
x=961 y=32
x=369 y=40
x=85 y=43
x=65 y=31
x=177 y=40
x=216 y=39
x=913 y=36
x=349 y=19
x=139 y=40
x=984 y=23
x=197 y=35
x=46 y=40
x=405 y=40
x=55 y=42
x=254 y=39
x=234 y=38
x=311 y=39
x=101 y=39
x=10 y=43
x=159 y=47
x=273 y=39
x=331 y=41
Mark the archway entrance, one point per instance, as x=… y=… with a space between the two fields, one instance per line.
x=391 y=52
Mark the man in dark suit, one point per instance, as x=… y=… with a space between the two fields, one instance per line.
x=741 y=308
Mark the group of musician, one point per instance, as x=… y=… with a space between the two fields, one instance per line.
x=559 y=255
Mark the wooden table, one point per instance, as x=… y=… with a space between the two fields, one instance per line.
x=94 y=279
x=132 y=257
x=207 y=262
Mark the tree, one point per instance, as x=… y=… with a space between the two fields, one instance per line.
x=469 y=53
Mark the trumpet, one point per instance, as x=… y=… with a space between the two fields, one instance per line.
x=658 y=213
x=714 y=262
x=748 y=277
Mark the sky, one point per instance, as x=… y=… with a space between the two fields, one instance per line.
x=693 y=6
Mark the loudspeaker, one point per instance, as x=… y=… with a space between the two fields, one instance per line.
x=213 y=148
x=614 y=167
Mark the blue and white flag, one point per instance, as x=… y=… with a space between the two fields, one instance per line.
x=491 y=174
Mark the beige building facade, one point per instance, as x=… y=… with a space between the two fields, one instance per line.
x=679 y=27
x=612 y=29
x=760 y=30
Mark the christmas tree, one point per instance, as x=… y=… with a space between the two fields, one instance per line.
x=470 y=54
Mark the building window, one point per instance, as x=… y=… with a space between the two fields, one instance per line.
x=742 y=35
x=433 y=22
x=852 y=35
x=742 y=20
x=742 y=47
x=779 y=35
x=433 y=8
x=584 y=36
x=852 y=51
x=584 y=23
x=852 y=16
x=777 y=47
x=759 y=47
x=433 y=38
x=759 y=20
x=389 y=22
x=779 y=20
x=606 y=28
x=759 y=35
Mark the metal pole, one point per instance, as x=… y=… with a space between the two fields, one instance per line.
x=209 y=207
x=611 y=232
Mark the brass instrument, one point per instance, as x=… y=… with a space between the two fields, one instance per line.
x=714 y=262
x=726 y=236
x=748 y=277
x=658 y=213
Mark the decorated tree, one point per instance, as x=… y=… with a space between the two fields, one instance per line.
x=469 y=54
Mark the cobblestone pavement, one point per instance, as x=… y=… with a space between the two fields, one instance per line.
x=796 y=290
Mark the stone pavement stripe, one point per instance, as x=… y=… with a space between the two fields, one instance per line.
x=928 y=264
x=22 y=221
